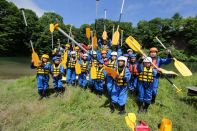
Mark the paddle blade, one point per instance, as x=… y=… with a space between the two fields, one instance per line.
x=77 y=68
x=104 y=35
x=88 y=32
x=35 y=58
x=64 y=60
x=132 y=45
x=168 y=72
x=94 y=41
x=93 y=72
x=115 y=38
x=52 y=27
x=111 y=72
x=135 y=42
x=129 y=123
x=182 y=68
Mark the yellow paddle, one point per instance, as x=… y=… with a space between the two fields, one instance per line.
x=93 y=72
x=95 y=44
x=88 y=32
x=132 y=44
x=109 y=71
x=64 y=59
x=34 y=55
x=116 y=35
x=51 y=30
x=77 y=68
x=180 y=66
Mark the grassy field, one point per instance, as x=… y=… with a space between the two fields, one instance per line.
x=82 y=110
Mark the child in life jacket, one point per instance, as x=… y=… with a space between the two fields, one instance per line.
x=119 y=91
x=57 y=71
x=145 y=84
x=133 y=68
x=100 y=80
x=42 y=75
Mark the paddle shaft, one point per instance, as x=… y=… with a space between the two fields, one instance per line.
x=25 y=20
x=160 y=42
x=97 y=1
x=105 y=11
x=52 y=40
x=92 y=39
x=121 y=41
x=70 y=32
x=121 y=10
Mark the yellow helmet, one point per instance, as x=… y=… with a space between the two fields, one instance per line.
x=103 y=52
x=45 y=56
x=77 y=48
x=67 y=45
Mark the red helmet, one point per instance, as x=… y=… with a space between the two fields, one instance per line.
x=153 y=49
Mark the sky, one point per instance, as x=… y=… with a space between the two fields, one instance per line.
x=78 y=12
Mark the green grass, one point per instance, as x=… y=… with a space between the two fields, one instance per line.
x=80 y=110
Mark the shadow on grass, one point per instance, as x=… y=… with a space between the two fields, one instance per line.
x=192 y=101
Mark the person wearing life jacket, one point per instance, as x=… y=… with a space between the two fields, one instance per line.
x=119 y=91
x=128 y=60
x=70 y=73
x=133 y=68
x=42 y=75
x=129 y=52
x=158 y=62
x=66 y=51
x=104 y=57
x=112 y=64
x=103 y=44
x=93 y=62
x=77 y=49
x=145 y=84
x=82 y=81
x=100 y=80
x=57 y=71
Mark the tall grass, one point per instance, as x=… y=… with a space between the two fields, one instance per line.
x=82 y=110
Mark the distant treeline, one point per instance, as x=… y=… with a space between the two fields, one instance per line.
x=177 y=33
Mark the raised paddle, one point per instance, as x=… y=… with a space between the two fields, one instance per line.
x=34 y=55
x=111 y=72
x=180 y=66
x=136 y=48
x=116 y=35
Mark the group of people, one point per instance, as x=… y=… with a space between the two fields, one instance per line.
x=135 y=73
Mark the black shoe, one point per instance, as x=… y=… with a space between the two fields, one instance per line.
x=40 y=98
x=56 y=90
x=153 y=99
x=112 y=107
x=40 y=94
x=146 y=107
x=122 y=110
x=140 y=107
x=100 y=94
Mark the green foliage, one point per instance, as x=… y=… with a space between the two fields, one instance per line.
x=175 y=32
x=82 y=110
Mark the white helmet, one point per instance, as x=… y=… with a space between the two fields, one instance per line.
x=147 y=59
x=114 y=53
x=94 y=53
x=73 y=52
x=123 y=59
x=85 y=55
x=129 y=50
